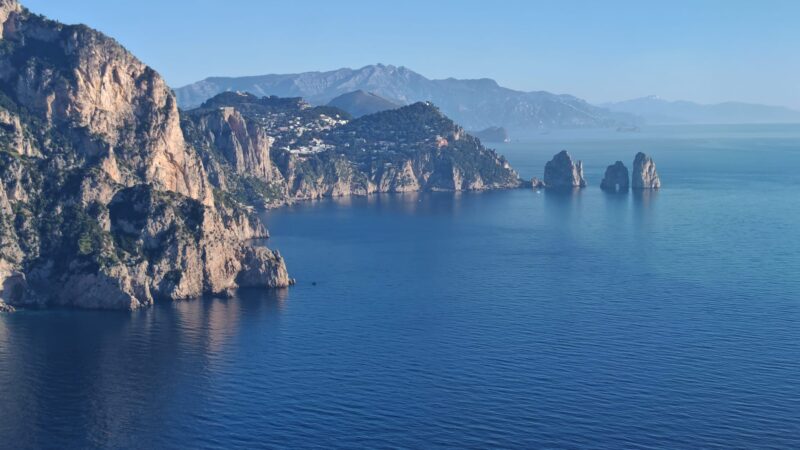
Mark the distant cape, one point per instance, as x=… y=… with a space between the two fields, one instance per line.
x=655 y=111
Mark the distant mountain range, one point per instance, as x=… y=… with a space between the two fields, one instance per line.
x=360 y=103
x=655 y=110
x=474 y=104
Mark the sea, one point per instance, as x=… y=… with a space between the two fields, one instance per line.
x=505 y=319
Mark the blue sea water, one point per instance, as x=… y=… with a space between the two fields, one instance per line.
x=510 y=319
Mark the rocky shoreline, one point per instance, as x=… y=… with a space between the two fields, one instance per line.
x=113 y=198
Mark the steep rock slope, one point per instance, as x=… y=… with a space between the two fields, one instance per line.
x=645 y=175
x=88 y=132
x=562 y=172
x=319 y=152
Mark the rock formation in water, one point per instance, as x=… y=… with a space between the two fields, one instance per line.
x=644 y=173
x=537 y=183
x=562 y=173
x=493 y=134
x=103 y=204
x=616 y=179
x=320 y=152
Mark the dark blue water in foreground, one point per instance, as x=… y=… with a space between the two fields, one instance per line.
x=504 y=319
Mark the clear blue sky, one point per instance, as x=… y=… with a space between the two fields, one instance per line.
x=701 y=50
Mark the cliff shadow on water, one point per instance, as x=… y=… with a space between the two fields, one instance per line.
x=109 y=366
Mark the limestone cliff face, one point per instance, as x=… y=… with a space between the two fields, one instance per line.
x=243 y=143
x=562 y=173
x=616 y=178
x=12 y=281
x=75 y=77
x=645 y=175
x=14 y=136
x=12 y=285
x=156 y=245
x=414 y=148
x=8 y=7
x=337 y=176
x=102 y=202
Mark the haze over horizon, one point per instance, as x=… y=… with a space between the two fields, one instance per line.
x=712 y=52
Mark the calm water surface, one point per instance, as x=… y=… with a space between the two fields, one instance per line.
x=507 y=319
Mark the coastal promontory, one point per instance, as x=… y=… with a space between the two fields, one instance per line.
x=103 y=202
x=112 y=198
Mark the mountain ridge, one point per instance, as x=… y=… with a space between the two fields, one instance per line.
x=473 y=103
x=361 y=103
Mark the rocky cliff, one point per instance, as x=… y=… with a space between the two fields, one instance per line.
x=563 y=173
x=103 y=204
x=645 y=175
x=111 y=198
x=319 y=152
x=80 y=81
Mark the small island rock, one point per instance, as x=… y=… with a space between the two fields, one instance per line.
x=537 y=183
x=493 y=134
x=616 y=179
x=562 y=173
x=645 y=175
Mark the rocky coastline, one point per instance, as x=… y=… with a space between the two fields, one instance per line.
x=113 y=198
x=103 y=202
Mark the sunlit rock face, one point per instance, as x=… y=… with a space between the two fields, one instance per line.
x=103 y=204
x=73 y=77
x=645 y=175
x=322 y=152
x=563 y=173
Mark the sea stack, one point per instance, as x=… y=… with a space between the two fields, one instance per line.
x=645 y=175
x=562 y=173
x=537 y=183
x=492 y=134
x=616 y=178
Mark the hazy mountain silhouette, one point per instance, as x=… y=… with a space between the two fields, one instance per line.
x=475 y=104
x=359 y=103
x=656 y=110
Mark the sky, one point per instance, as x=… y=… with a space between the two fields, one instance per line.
x=706 y=51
